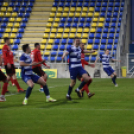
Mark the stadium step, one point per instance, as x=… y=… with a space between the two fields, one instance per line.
x=30 y=40
x=30 y=24
x=32 y=35
x=41 y=9
x=43 y=4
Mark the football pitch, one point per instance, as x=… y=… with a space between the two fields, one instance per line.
x=110 y=111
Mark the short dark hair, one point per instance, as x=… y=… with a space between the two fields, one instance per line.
x=36 y=44
x=5 y=39
x=24 y=47
x=76 y=38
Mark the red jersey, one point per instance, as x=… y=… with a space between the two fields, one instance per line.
x=36 y=57
x=7 y=55
x=83 y=61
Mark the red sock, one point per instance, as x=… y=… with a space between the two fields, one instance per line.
x=12 y=80
x=41 y=85
x=17 y=84
x=4 y=88
x=86 y=88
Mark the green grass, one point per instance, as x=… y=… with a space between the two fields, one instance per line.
x=110 y=111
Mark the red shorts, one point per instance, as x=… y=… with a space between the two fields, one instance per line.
x=38 y=71
x=10 y=71
x=2 y=76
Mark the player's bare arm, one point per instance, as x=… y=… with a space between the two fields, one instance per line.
x=65 y=54
x=96 y=60
x=86 y=51
x=115 y=60
x=32 y=64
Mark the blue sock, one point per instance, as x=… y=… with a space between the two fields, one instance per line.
x=69 y=90
x=82 y=85
x=28 y=92
x=46 y=90
x=113 y=79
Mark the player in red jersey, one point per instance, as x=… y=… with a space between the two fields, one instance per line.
x=9 y=63
x=84 y=62
x=5 y=81
x=36 y=57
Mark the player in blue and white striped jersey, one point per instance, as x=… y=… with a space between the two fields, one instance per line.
x=75 y=67
x=106 y=66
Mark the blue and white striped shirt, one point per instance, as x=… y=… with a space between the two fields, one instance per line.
x=26 y=70
x=74 y=57
x=105 y=60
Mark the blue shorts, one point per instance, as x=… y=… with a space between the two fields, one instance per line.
x=79 y=71
x=109 y=71
x=32 y=77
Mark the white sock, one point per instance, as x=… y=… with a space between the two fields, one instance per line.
x=77 y=89
x=89 y=93
x=26 y=98
x=3 y=96
x=67 y=95
x=48 y=96
x=41 y=88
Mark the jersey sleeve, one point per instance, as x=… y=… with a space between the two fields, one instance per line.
x=5 y=55
x=85 y=62
x=40 y=58
x=101 y=56
x=22 y=58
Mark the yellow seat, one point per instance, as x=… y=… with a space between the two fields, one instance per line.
x=50 y=41
x=84 y=40
x=77 y=14
x=89 y=46
x=85 y=9
x=58 y=15
x=5 y=4
x=13 y=35
x=94 y=24
x=96 y=14
x=42 y=52
x=95 y=19
x=55 y=25
x=48 y=25
x=57 y=19
x=12 y=19
x=10 y=24
x=72 y=35
x=7 y=14
x=78 y=9
x=102 y=19
x=52 y=35
x=50 y=20
x=71 y=14
x=15 y=30
x=46 y=35
x=47 y=30
x=91 y=9
x=11 y=41
x=95 y=53
x=2 y=41
x=42 y=47
x=53 y=9
x=84 y=14
x=14 y=14
x=44 y=41
x=8 y=30
x=65 y=35
x=100 y=24
x=47 y=53
x=65 y=14
x=59 y=35
x=52 y=14
x=67 y=30
x=16 y=24
x=73 y=30
x=60 y=9
x=90 y=14
x=1 y=14
x=86 y=30
x=48 y=47
x=10 y=9
x=92 y=30
x=19 y=19
x=72 y=9
x=60 y=30
x=79 y=30
x=1 y=46
x=85 y=35
x=78 y=35
x=66 y=9
x=5 y=35
x=54 y=30
x=3 y=9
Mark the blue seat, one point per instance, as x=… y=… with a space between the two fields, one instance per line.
x=61 y=4
x=69 y=19
x=116 y=41
x=62 y=0
x=116 y=9
x=110 y=41
x=67 y=25
x=110 y=9
x=97 y=9
x=104 y=35
x=53 y=53
x=120 y=14
x=111 y=35
x=74 y=25
x=24 y=4
x=98 y=4
x=92 y=0
x=22 y=9
x=61 y=25
x=60 y=53
x=115 y=14
x=57 y=41
x=27 y=15
x=19 y=35
x=67 y=4
x=15 y=47
x=76 y=19
x=55 y=4
x=52 y=59
x=11 y=4
x=97 y=41
x=103 y=9
x=111 y=0
x=119 y=19
x=23 y=24
x=99 y=30
x=104 y=4
x=87 y=59
x=20 y=15
x=13 y=0
x=80 y=0
x=109 y=47
x=63 y=19
x=5 y=19
x=81 y=25
x=117 y=4
x=62 y=47
x=16 y=9
x=82 y=19
x=105 y=30
x=29 y=9
x=0 y=35
x=74 y=0
x=114 y=19
x=115 y=47
x=102 y=14
x=32 y=0
x=3 y=25
x=118 y=30
x=2 y=30
x=113 y=25
x=87 y=25
x=30 y=4
x=106 y=24
x=117 y=35
x=89 y=19
x=59 y=59
x=90 y=41
x=17 y=41
x=55 y=47
x=122 y=4
x=109 y=14
x=92 y=4
x=64 y=41
x=93 y=59
x=96 y=47
x=107 y=19
x=70 y=41
x=79 y=4
x=98 y=35
x=91 y=35
x=103 y=41
x=86 y=4
x=68 y=0
x=68 y=47
x=112 y=30
x=25 y=20
x=121 y=9
x=102 y=47
x=114 y=53
x=73 y=4
x=101 y=52
x=18 y=4
x=45 y=58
